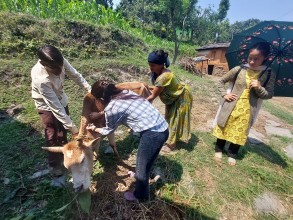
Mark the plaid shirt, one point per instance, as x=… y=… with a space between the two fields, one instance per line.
x=135 y=112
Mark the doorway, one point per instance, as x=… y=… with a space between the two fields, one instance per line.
x=210 y=69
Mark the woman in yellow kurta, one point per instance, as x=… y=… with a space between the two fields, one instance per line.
x=175 y=95
x=240 y=105
x=237 y=124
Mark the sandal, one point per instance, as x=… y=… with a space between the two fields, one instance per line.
x=218 y=157
x=231 y=161
x=167 y=150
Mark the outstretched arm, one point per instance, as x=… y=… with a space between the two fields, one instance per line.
x=155 y=93
x=76 y=76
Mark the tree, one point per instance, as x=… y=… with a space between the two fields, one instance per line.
x=178 y=12
x=240 y=26
x=223 y=10
x=181 y=19
x=209 y=26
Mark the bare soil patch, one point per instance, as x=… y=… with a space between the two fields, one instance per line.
x=285 y=103
x=235 y=211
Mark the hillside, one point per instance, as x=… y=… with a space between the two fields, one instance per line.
x=192 y=185
x=22 y=34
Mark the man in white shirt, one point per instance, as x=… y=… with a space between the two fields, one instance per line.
x=48 y=76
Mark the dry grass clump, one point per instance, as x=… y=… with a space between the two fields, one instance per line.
x=108 y=201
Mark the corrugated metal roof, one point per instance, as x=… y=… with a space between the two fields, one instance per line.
x=213 y=46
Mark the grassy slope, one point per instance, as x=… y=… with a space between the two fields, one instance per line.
x=195 y=187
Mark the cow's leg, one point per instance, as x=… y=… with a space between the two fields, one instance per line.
x=96 y=148
x=96 y=145
x=111 y=138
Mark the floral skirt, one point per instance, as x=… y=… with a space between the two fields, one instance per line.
x=178 y=117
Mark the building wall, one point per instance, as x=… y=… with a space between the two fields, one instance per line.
x=217 y=62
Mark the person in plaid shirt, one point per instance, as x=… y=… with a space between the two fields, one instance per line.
x=127 y=108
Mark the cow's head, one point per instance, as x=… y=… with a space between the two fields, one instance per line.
x=78 y=159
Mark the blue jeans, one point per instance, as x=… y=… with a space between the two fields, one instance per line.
x=149 y=147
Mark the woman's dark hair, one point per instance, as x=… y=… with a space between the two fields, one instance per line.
x=263 y=47
x=159 y=57
x=104 y=89
x=51 y=55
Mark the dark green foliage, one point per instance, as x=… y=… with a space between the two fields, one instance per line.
x=195 y=187
x=223 y=9
x=96 y=11
x=239 y=26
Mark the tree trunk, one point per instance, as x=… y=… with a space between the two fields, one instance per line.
x=176 y=52
x=176 y=44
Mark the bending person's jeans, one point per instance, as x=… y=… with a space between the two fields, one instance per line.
x=149 y=147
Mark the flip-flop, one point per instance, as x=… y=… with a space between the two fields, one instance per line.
x=165 y=150
x=231 y=161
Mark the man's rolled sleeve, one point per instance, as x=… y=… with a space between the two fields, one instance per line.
x=55 y=106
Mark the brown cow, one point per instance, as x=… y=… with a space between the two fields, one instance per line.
x=91 y=104
x=78 y=159
x=78 y=154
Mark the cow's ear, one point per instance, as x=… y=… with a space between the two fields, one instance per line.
x=54 y=149
x=92 y=142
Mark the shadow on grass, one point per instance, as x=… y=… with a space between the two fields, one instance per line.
x=193 y=141
x=266 y=152
x=21 y=156
x=108 y=201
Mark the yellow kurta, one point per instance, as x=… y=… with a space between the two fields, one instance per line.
x=237 y=124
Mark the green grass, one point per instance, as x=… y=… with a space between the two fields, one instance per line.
x=195 y=187
x=209 y=188
x=279 y=112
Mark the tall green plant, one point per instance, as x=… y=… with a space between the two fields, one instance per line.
x=81 y=10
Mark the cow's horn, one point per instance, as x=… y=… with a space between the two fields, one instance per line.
x=54 y=149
